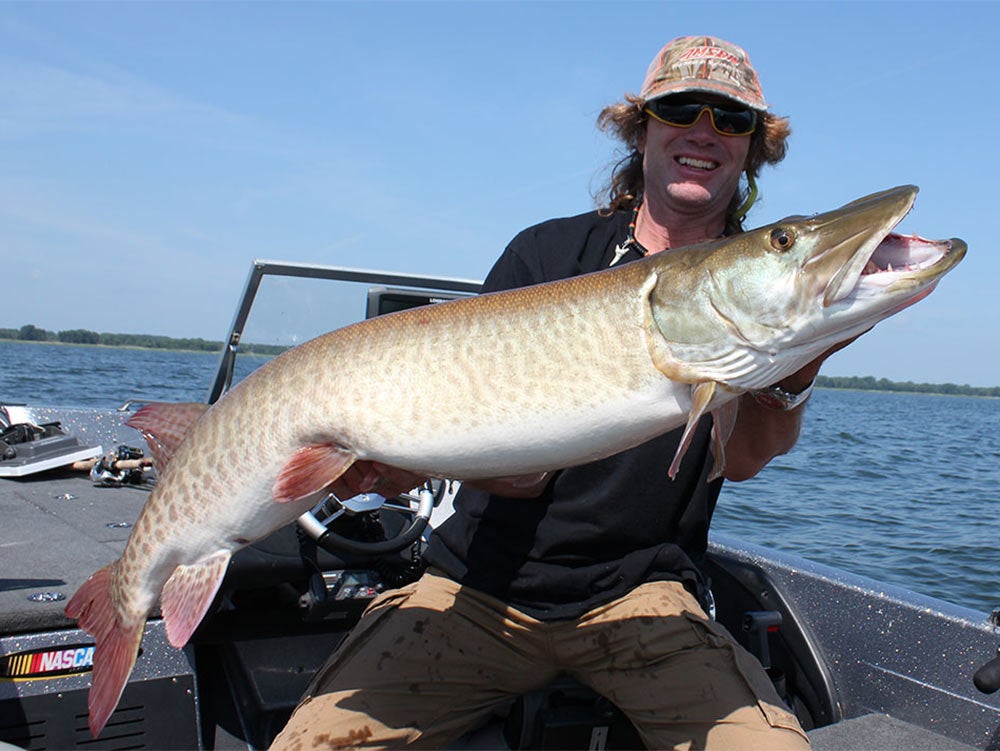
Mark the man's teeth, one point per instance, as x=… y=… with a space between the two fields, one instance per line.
x=699 y=163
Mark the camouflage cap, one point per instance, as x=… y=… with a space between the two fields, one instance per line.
x=704 y=64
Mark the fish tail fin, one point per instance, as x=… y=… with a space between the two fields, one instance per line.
x=117 y=645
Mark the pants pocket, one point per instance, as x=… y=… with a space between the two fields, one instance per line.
x=756 y=678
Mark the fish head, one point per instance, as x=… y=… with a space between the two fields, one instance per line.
x=762 y=304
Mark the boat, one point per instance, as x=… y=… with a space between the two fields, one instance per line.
x=862 y=664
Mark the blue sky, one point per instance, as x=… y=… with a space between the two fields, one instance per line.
x=152 y=150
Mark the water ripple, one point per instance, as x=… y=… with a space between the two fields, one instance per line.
x=902 y=487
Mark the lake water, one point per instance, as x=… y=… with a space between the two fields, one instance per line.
x=900 y=487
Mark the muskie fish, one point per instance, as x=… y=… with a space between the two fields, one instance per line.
x=510 y=383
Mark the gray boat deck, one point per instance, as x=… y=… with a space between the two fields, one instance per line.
x=872 y=732
x=56 y=529
x=878 y=731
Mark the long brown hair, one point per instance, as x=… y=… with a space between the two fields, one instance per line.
x=627 y=122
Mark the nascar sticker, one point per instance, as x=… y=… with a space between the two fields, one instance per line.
x=47 y=663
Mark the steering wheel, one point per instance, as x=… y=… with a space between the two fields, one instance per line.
x=315 y=522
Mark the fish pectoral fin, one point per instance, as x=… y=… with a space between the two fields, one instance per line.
x=164 y=426
x=723 y=422
x=701 y=396
x=311 y=469
x=188 y=593
x=117 y=644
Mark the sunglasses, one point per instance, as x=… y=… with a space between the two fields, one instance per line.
x=684 y=114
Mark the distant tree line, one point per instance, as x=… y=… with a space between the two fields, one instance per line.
x=30 y=333
x=870 y=383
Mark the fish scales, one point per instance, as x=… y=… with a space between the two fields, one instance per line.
x=439 y=384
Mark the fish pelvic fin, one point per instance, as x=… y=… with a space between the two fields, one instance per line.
x=164 y=425
x=188 y=594
x=723 y=422
x=117 y=644
x=701 y=396
x=311 y=469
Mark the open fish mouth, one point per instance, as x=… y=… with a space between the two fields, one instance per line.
x=866 y=258
x=908 y=253
x=901 y=258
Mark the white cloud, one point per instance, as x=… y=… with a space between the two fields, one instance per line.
x=40 y=97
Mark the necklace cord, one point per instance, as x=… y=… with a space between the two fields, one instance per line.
x=630 y=241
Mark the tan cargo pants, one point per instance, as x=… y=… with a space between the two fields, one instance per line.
x=429 y=661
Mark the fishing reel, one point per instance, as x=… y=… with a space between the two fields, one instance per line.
x=317 y=522
x=126 y=465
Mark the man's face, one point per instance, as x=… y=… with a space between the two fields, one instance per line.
x=693 y=169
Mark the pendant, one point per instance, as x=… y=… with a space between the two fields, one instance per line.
x=620 y=250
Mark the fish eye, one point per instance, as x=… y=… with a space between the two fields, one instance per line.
x=782 y=239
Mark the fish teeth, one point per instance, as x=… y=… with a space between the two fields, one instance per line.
x=873 y=268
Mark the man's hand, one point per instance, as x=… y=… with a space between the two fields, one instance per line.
x=375 y=477
x=800 y=380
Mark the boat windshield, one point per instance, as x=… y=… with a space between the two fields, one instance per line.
x=285 y=304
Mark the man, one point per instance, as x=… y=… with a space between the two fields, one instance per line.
x=593 y=570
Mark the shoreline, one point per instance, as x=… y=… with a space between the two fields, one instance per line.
x=139 y=347
x=116 y=346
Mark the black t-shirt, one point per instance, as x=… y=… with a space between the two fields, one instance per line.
x=600 y=529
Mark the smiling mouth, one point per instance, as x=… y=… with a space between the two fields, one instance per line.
x=689 y=161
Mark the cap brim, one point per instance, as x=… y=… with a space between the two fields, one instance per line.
x=708 y=87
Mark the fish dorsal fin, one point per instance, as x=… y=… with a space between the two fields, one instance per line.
x=311 y=469
x=164 y=425
x=723 y=422
x=188 y=593
x=701 y=396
